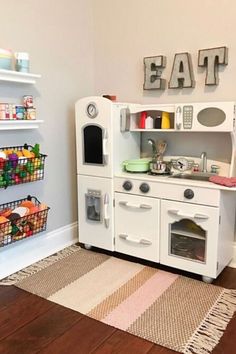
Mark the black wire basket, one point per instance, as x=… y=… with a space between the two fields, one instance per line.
x=21 y=219
x=23 y=164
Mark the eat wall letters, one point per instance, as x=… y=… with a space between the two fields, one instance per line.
x=182 y=72
x=211 y=58
x=182 y=75
x=152 y=73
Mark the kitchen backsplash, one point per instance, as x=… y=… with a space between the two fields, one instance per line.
x=217 y=146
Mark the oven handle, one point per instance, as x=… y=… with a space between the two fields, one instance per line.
x=141 y=241
x=135 y=206
x=193 y=216
x=106 y=204
x=104 y=147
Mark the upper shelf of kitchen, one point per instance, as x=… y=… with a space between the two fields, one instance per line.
x=16 y=76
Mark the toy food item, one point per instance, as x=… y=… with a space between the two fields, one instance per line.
x=27 y=204
x=27 y=153
x=34 y=209
x=5 y=212
x=22 y=211
x=13 y=216
x=3 y=219
x=43 y=206
x=3 y=155
x=19 y=153
x=14 y=159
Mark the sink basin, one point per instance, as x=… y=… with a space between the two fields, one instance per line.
x=195 y=177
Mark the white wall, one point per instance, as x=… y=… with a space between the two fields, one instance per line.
x=129 y=30
x=58 y=37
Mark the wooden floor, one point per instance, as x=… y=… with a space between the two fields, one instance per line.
x=30 y=324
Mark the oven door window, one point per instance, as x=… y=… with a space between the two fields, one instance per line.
x=93 y=139
x=187 y=240
x=93 y=206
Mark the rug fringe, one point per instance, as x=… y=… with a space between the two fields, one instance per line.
x=211 y=329
x=36 y=267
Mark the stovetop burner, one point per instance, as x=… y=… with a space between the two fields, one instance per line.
x=151 y=173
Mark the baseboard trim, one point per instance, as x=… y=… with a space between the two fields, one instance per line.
x=23 y=253
x=233 y=262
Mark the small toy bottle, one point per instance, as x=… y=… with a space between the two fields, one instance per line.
x=165 y=123
x=142 y=120
x=149 y=123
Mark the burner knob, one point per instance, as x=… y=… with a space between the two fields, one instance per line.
x=188 y=193
x=144 y=187
x=127 y=185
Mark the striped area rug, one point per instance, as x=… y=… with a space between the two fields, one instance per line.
x=176 y=312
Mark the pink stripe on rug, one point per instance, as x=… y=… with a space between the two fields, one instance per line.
x=130 y=309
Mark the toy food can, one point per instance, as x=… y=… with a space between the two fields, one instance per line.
x=20 y=112
x=30 y=113
x=28 y=101
x=22 y=62
x=2 y=110
x=12 y=111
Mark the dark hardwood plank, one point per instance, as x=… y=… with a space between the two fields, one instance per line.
x=157 y=349
x=122 y=342
x=9 y=294
x=23 y=310
x=40 y=332
x=83 y=337
x=227 y=278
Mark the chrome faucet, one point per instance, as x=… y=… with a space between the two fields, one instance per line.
x=204 y=161
x=154 y=149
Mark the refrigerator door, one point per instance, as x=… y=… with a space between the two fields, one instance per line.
x=94 y=136
x=95 y=211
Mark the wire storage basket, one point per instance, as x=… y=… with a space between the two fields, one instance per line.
x=21 y=219
x=21 y=164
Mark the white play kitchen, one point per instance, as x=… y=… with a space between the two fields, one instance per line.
x=151 y=181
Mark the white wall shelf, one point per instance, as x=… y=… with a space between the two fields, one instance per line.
x=16 y=76
x=19 y=124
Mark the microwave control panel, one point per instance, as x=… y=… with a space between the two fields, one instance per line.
x=187 y=117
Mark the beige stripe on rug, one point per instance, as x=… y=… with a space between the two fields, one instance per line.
x=108 y=276
x=57 y=275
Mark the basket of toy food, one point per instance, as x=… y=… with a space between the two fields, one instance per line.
x=21 y=164
x=21 y=219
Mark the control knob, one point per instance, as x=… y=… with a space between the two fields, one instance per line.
x=144 y=187
x=188 y=193
x=127 y=185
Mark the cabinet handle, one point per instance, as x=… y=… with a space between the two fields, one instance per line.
x=141 y=241
x=193 y=216
x=135 y=206
x=104 y=147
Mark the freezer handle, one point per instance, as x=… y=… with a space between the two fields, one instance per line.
x=106 y=216
x=104 y=147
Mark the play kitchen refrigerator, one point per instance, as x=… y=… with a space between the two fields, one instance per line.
x=101 y=148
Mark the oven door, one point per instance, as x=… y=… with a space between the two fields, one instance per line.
x=95 y=204
x=189 y=237
x=94 y=137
